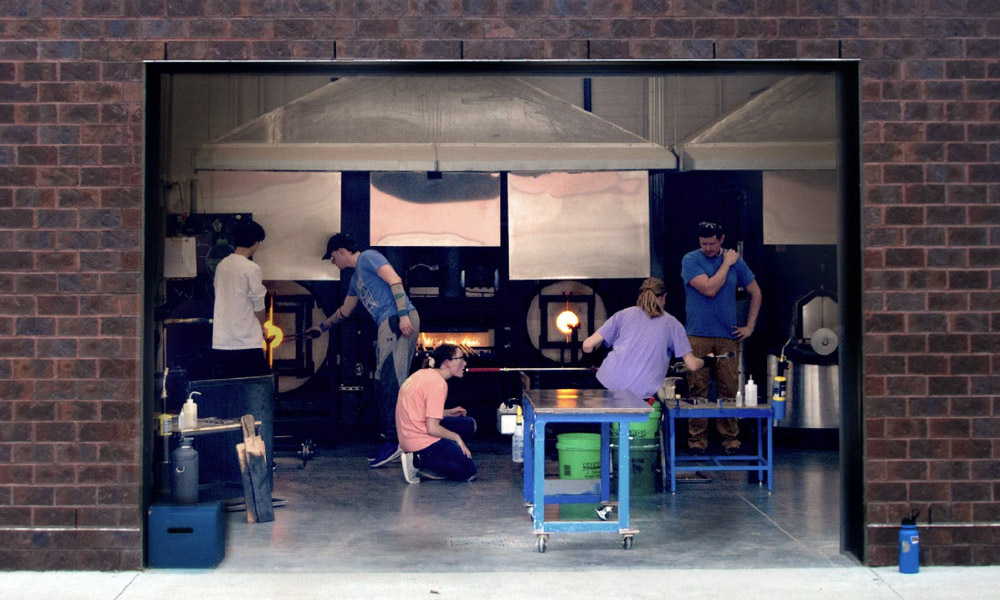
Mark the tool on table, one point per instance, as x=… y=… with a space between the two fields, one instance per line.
x=678 y=367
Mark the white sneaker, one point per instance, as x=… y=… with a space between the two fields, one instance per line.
x=428 y=474
x=409 y=471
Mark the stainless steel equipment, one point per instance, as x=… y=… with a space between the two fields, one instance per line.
x=813 y=394
x=812 y=371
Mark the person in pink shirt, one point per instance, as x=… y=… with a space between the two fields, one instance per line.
x=433 y=438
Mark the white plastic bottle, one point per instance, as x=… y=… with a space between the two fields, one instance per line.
x=739 y=398
x=750 y=393
x=517 y=440
x=188 y=418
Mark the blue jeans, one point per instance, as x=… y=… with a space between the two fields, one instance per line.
x=445 y=457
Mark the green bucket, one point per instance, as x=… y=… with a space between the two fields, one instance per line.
x=577 y=512
x=579 y=455
x=642 y=480
x=642 y=454
x=643 y=430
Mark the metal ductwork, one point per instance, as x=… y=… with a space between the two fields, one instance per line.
x=790 y=126
x=433 y=123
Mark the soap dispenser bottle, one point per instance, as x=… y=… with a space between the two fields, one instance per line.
x=188 y=418
x=750 y=393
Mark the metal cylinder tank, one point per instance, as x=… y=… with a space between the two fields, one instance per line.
x=813 y=394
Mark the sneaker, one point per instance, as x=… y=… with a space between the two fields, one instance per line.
x=385 y=454
x=732 y=451
x=409 y=471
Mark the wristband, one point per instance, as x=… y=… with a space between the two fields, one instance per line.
x=323 y=326
x=400 y=297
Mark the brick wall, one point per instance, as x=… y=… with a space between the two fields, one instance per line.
x=71 y=108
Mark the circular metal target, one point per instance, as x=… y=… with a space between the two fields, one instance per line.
x=547 y=311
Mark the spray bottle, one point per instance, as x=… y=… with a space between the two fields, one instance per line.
x=517 y=440
x=188 y=418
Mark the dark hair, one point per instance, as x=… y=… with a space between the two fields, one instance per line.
x=338 y=241
x=707 y=229
x=247 y=233
x=441 y=354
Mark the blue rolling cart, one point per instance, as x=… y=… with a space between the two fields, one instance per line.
x=602 y=407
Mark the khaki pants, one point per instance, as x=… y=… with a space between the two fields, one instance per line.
x=726 y=381
x=393 y=355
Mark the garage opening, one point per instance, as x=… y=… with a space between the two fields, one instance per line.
x=505 y=196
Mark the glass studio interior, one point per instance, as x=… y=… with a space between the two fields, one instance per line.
x=504 y=196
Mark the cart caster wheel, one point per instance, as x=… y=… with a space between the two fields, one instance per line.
x=603 y=512
x=627 y=542
x=541 y=543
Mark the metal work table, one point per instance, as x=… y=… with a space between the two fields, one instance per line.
x=762 y=462
x=604 y=407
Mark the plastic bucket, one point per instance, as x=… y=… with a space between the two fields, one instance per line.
x=642 y=456
x=579 y=455
x=643 y=430
x=577 y=512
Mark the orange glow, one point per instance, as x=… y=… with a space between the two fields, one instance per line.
x=465 y=340
x=566 y=398
x=272 y=331
x=567 y=321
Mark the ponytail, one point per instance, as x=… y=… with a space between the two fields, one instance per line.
x=649 y=292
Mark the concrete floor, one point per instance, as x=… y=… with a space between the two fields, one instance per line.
x=352 y=532
x=343 y=517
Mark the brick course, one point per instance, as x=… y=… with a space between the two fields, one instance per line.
x=71 y=241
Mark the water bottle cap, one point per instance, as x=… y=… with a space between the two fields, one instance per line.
x=912 y=519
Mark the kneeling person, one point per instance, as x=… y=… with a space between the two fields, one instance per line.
x=433 y=439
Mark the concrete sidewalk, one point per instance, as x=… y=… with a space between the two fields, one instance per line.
x=840 y=583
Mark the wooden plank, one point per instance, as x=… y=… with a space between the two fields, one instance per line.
x=259 y=493
x=248 y=495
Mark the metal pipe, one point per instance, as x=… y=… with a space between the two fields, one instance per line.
x=511 y=369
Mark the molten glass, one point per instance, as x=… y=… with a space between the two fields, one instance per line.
x=274 y=334
x=567 y=321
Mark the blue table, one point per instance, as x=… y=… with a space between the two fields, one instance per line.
x=762 y=461
x=603 y=407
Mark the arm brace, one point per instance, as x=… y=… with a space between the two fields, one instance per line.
x=400 y=297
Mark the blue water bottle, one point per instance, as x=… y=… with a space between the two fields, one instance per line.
x=909 y=544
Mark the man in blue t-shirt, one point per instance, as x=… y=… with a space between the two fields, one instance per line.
x=380 y=289
x=711 y=275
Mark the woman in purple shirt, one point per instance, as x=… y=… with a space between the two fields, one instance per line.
x=643 y=339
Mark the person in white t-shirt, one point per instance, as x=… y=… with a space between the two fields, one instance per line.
x=238 y=319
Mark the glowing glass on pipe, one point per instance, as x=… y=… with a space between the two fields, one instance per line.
x=566 y=322
x=272 y=331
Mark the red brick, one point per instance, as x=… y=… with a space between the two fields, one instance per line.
x=923 y=406
x=906 y=470
x=945 y=470
x=929 y=448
